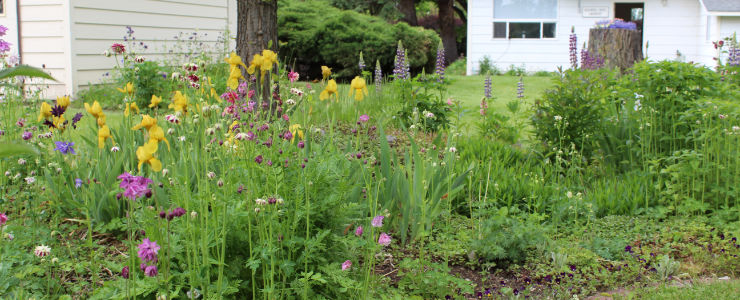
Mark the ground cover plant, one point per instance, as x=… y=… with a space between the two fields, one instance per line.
x=196 y=180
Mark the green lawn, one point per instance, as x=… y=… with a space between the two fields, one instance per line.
x=723 y=289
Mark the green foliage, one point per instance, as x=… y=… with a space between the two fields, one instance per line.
x=13 y=149
x=485 y=67
x=26 y=71
x=430 y=280
x=457 y=67
x=316 y=34
x=508 y=237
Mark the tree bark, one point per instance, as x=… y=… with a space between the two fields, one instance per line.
x=618 y=47
x=447 y=29
x=256 y=27
x=408 y=9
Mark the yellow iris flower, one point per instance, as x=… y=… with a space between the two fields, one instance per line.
x=145 y=154
x=58 y=122
x=255 y=63
x=101 y=120
x=95 y=109
x=269 y=58
x=129 y=107
x=329 y=90
x=179 y=102
x=155 y=101
x=156 y=133
x=45 y=111
x=127 y=89
x=295 y=129
x=325 y=71
x=104 y=134
x=63 y=101
x=146 y=122
x=235 y=73
x=358 y=87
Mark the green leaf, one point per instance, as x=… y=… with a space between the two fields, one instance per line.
x=12 y=149
x=24 y=70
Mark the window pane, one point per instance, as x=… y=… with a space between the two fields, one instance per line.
x=524 y=30
x=525 y=9
x=499 y=30
x=548 y=30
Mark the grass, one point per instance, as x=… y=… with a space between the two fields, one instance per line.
x=724 y=289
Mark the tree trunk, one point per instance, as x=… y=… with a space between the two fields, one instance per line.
x=408 y=9
x=618 y=47
x=447 y=28
x=256 y=31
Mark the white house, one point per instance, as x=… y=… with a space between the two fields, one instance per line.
x=535 y=33
x=67 y=37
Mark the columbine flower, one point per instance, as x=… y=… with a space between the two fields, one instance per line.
x=148 y=250
x=358 y=231
x=377 y=221
x=429 y=115
x=3 y=219
x=21 y=161
x=124 y=272
x=292 y=76
x=41 y=251
x=260 y=201
x=358 y=87
x=27 y=135
x=384 y=239
x=64 y=147
x=346 y=265
x=721 y=116
x=258 y=159
x=150 y=271
x=118 y=48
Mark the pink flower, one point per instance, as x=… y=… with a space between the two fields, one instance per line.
x=364 y=118
x=449 y=102
x=148 y=250
x=358 y=231
x=124 y=272
x=377 y=221
x=482 y=112
x=118 y=48
x=346 y=265
x=384 y=239
x=250 y=94
x=3 y=219
x=150 y=271
x=293 y=76
x=721 y=116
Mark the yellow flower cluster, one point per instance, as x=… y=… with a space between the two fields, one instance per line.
x=235 y=73
x=103 y=131
x=179 y=103
x=145 y=153
x=264 y=62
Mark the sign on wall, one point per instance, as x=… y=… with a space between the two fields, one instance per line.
x=595 y=12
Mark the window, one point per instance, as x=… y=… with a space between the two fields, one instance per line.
x=524 y=19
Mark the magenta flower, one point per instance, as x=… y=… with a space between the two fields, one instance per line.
x=358 y=231
x=3 y=219
x=301 y=144
x=118 y=48
x=134 y=186
x=384 y=239
x=27 y=135
x=3 y=30
x=346 y=265
x=124 y=272
x=377 y=221
x=293 y=76
x=150 y=271
x=148 y=250
x=364 y=118
x=258 y=159
x=288 y=135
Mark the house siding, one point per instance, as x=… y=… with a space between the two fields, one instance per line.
x=674 y=27
x=98 y=24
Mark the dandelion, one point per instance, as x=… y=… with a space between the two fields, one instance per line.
x=64 y=147
x=358 y=231
x=384 y=239
x=377 y=221
x=42 y=250
x=346 y=265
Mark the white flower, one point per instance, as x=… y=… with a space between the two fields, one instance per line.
x=175 y=75
x=735 y=128
x=42 y=251
x=210 y=131
x=638 y=96
x=182 y=138
x=211 y=175
x=217 y=126
x=428 y=114
x=165 y=172
x=30 y=180
x=638 y=105
x=290 y=102
x=279 y=200
x=558 y=118
x=139 y=59
x=115 y=149
x=21 y=161
x=7 y=173
x=193 y=214
x=569 y=194
x=256 y=209
x=453 y=149
x=260 y=201
x=170 y=131
x=106 y=53
x=241 y=136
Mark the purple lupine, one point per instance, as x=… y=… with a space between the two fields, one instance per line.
x=400 y=71
x=439 y=67
x=378 y=76
x=520 y=88
x=487 y=87
x=361 y=64
x=572 y=49
x=733 y=54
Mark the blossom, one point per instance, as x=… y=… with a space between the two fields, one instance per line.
x=292 y=76
x=179 y=102
x=124 y=272
x=3 y=219
x=377 y=221
x=63 y=101
x=361 y=63
x=145 y=154
x=118 y=48
x=155 y=101
x=487 y=87
x=4 y=46
x=41 y=251
x=78 y=183
x=439 y=67
x=131 y=106
x=378 y=76
x=64 y=147
x=77 y=117
x=3 y=30
x=134 y=186
x=346 y=265
x=325 y=72
x=27 y=135
x=453 y=149
x=558 y=118
x=329 y=90
x=295 y=130
x=104 y=134
x=127 y=89
x=150 y=271
x=148 y=250
x=44 y=111
x=30 y=179
x=358 y=87
x=384 y=239
x=95 y=109
x=258 y=159
x=358 y=231
x=401 y=66
x=364 y=118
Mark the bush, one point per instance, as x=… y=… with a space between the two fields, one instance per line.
x=313 y=33
x=508 y=237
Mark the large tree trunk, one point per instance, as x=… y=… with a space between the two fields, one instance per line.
x=447 y=29
x=618 y=47
x=256 y=31
x=408 y=9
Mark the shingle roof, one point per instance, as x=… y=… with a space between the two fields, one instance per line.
x=722 y=5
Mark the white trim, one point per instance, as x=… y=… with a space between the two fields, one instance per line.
x=725 y=13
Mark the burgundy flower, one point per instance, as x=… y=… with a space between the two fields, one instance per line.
x=124 y=272
x=258 y=159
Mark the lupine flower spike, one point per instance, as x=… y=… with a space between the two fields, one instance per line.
x=378 y=76
x=440 y=64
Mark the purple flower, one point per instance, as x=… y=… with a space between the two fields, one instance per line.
x=76 y=119
x=628 y=248
x=401 y=70
x=148 y=250
x=4 y=46
x=361 y=63
x=572 y=49
x=301 y=144
x=65 y=147
x=150 y=271
x=288 y=135
x=439 y=67
x=178 y=212
x=27 y=135
x=124 y=272
x=3 y=219
x=3 y=30
x=384 y=239
x=358 y=231
x=364 y=118
x=520 y=88
x=78 y=183
x=134 y=186
x=346 y=265
x=377 y=221
x=378 y=76
x=487 y=87
x=258 y=159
